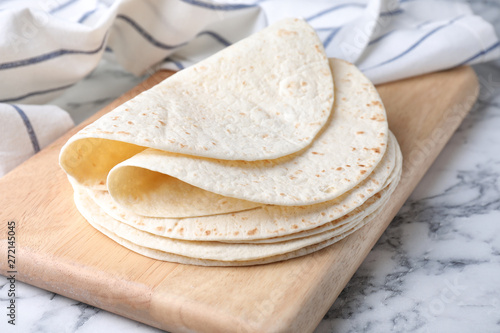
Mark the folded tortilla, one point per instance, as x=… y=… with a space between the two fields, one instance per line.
x=345 y=152
x=264 y=97
x=265 y=222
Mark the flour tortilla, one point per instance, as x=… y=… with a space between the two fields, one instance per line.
x=347 y=150
x=340 y=225
x=178 y=199
x=166 y=256
x=264 y=97
x=257 y=251
x=203 y=250
x=265 y=222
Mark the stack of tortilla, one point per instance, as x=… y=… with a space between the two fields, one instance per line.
x=263 y=152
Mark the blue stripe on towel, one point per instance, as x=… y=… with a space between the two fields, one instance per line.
x=334 y=8
x=29 y=128
x=34 y=93
x=147 y=36
x=161 y=45
x=417 y=43
x=87 y=14
x=176 y=63
x=330 y=37
x=378 y=39
x=217 y=6
x=392 y=13
x=483 y=52
x=48 y=56
x=347 y=5
x=219 y=38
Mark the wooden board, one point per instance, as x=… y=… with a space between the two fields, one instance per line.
x=57 y=250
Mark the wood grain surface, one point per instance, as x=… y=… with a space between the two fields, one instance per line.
x=59 y=251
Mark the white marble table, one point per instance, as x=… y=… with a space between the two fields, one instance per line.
x=435 y=269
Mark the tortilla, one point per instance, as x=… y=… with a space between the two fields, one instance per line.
x=347 y=150
x=205 y=250
x=264 y=97
x=264 y=222
x=225 y=254
x=166 y=256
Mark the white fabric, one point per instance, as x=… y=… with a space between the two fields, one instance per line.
x=48 y=45
x=25 y=129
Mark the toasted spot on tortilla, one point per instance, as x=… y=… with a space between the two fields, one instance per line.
x=284 y=32
x=378 y=117
x=207 y=232
x=252 y=232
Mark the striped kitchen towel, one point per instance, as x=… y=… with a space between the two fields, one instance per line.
x=46 y=46
x=25 y=129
